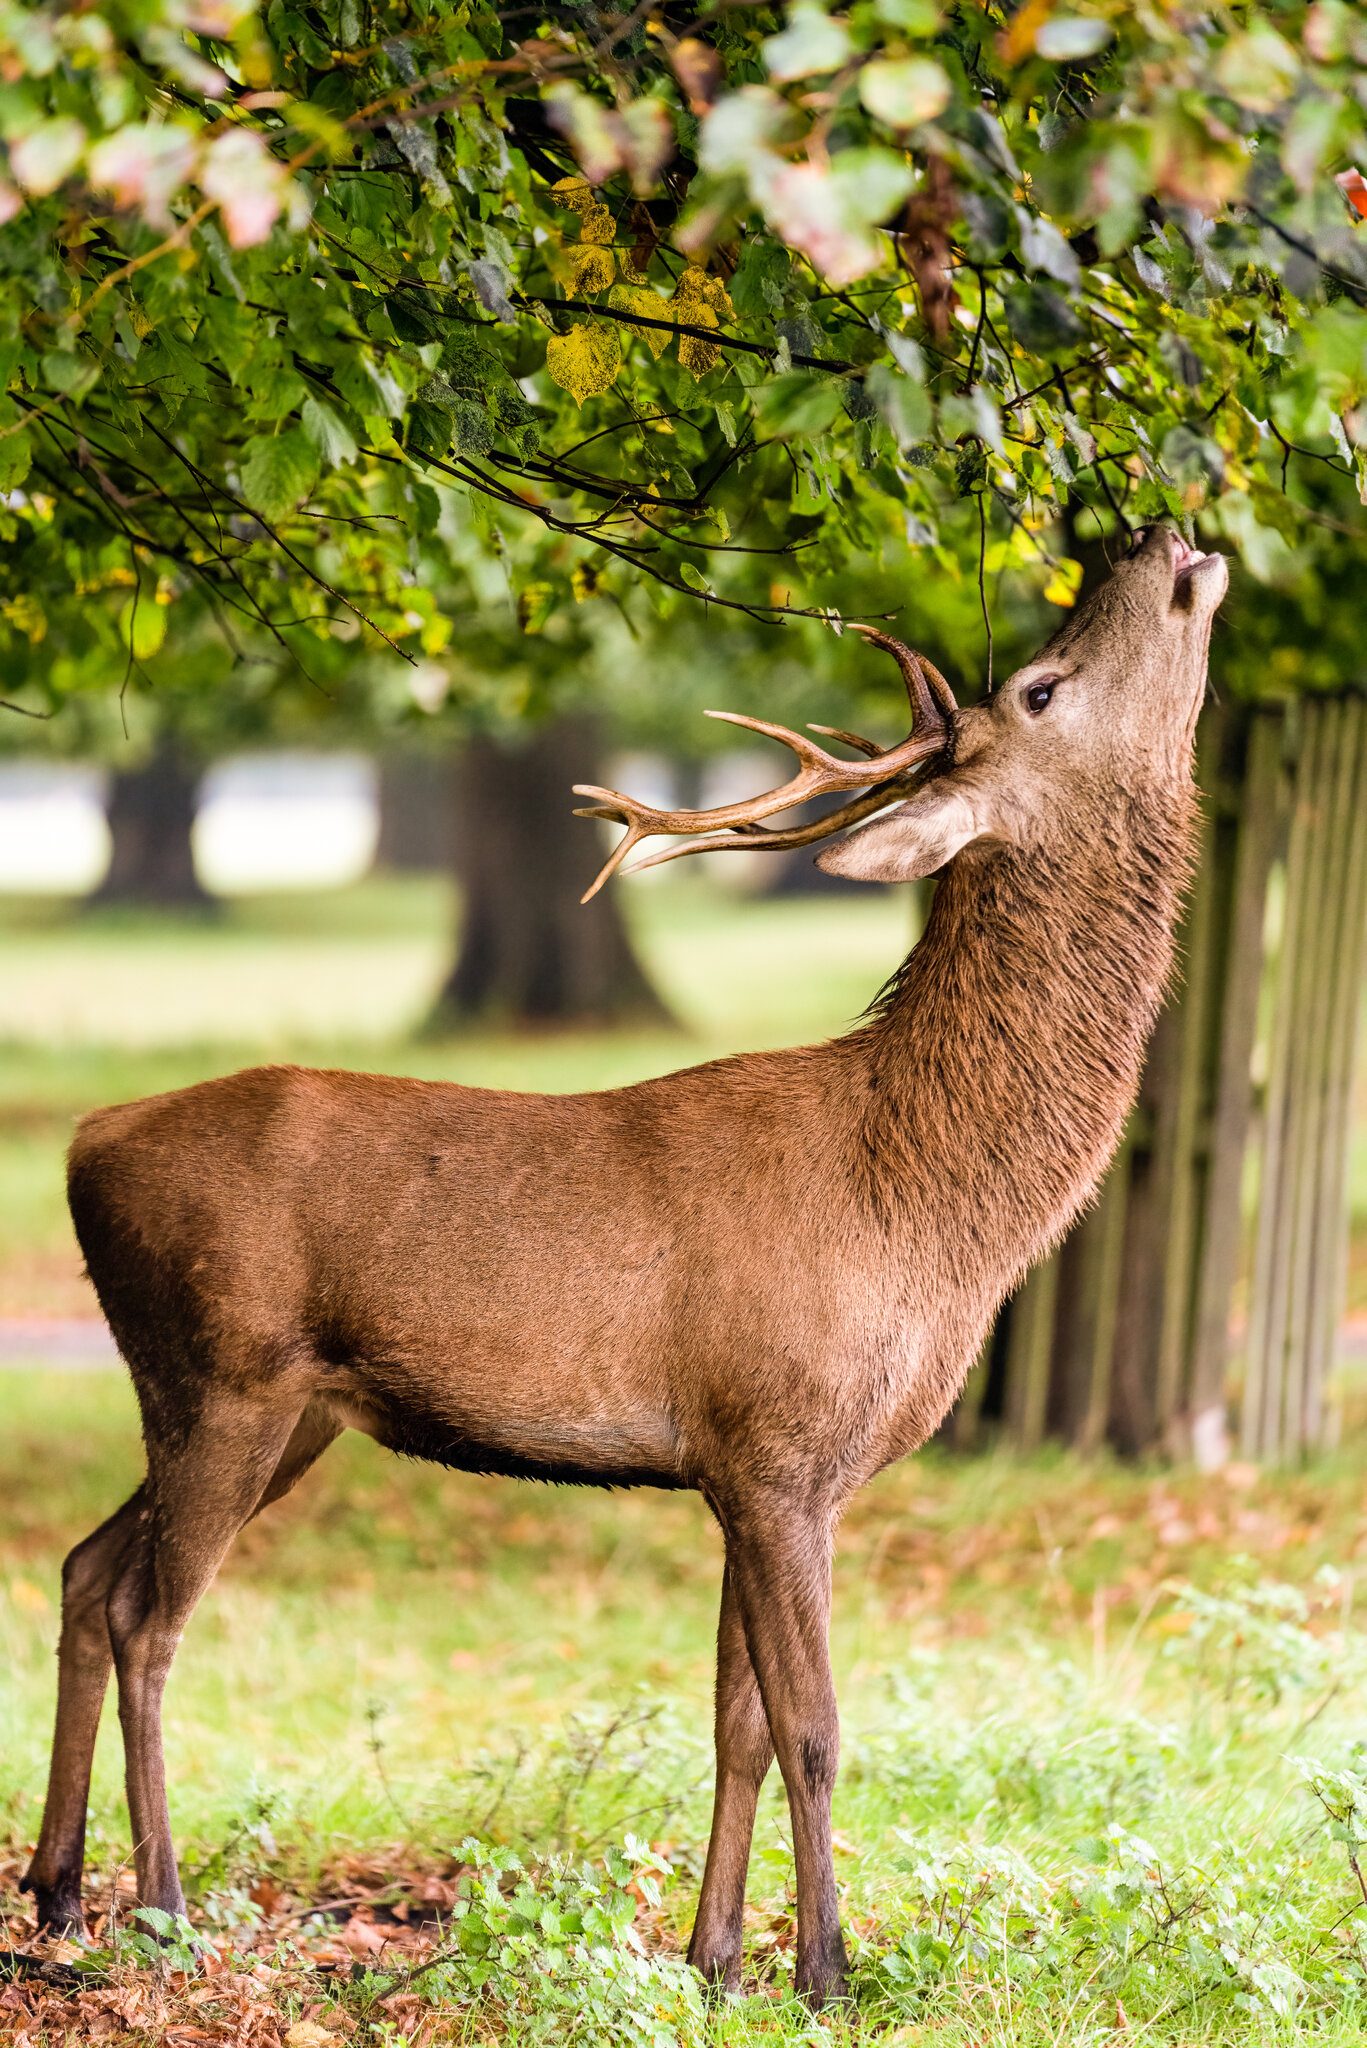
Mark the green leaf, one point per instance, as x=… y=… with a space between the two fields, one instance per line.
x=913 y=17
x=870 y=183
x=16 y=454
x=1070 y=38
x=1044 y=248
x=902 y=404
x=1259 y=69
x=905 y=90
x=800 y=404
x=328 y=432
x=279 y=472
x=812 y=42
x=142 y=627
x=1041 y=319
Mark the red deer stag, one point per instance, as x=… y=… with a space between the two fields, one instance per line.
x=764 y=1278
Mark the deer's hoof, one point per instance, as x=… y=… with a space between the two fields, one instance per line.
x=57 y=1909
x=824 y=1981
x=719 y=1972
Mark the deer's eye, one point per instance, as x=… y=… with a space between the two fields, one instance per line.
x=1037 y=697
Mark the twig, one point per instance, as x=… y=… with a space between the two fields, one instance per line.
x=982 y=590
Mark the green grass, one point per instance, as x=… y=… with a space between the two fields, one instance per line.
x=396 y=1658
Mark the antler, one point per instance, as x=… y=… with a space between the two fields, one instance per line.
x=738 y=827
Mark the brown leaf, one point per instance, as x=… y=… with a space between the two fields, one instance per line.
x=924 y=244
x=698 y=70
x=363 y=1937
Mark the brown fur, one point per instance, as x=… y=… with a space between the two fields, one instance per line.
x=764 y=1278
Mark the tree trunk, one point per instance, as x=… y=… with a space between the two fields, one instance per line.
x=796 y=873
x=415 y=811
x=529 y=952
x=150 y=812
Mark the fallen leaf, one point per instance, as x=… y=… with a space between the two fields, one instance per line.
x=363 y=1937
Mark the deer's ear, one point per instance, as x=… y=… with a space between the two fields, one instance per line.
x=914 y=840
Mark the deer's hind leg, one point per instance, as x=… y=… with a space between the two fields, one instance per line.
x=240 y=1452
x=84 y=1660
x=111 y=1569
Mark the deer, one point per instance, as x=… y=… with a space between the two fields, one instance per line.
x=764 y=1278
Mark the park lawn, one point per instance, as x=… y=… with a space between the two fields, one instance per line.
x=1069 y=1810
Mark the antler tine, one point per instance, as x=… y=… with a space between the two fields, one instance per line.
x=850 y=739
x=930 y=695
x=875 y=779
x=632 y=837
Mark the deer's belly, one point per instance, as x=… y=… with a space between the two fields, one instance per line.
x=634 y=1447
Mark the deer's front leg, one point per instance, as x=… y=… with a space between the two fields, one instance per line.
x=745 y=1751
x=779 y=1551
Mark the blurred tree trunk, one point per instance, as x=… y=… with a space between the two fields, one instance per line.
x=150 y=811
x=530 y=953
x=415 y=811
x=797 y=874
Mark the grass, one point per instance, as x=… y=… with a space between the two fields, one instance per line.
x=396 y=1659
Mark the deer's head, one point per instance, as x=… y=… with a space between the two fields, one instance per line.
x=1109 y=704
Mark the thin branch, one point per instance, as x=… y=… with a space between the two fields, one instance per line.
x=1353 y=286
x=982 y=588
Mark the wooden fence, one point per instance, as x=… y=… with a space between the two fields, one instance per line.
x=1197 y=1305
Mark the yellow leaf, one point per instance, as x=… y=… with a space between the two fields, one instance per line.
x=1062 y=587
x=633 y=298
x=308 y=2034
x=591 y=270
x=695 y=354
x=694 y=289
x=534 y=605
x=599 y=225
x=585 y=361
x=576 y=194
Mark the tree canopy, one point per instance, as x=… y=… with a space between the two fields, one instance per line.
x=324 y=322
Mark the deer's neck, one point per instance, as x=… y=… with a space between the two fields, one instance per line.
x=999 y=1065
